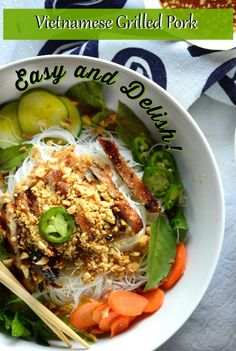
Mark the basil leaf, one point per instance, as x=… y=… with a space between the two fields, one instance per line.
x=18 y=329
x=89 y=95
x=162 y=251
x=129 y=126
x=12 y=157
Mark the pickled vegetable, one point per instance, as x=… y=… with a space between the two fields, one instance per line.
x=39 y=109
x=10 y=132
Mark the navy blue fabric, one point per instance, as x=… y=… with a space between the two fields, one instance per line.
x=90 y=49
x=195 y=51
x=150 y=62
x=228 y=85
x=219 y=73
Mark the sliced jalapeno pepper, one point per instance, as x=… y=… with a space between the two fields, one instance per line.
x=158 y=180
x=162 y=158
x=172 y=195
x=57 y=225
x=140 y=146
x=179 y=222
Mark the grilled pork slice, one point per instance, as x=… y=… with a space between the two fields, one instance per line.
x=84 y=224
x=129 y=177
x=12 y=227
x=126 y=211
x=33 y=202
x=54 y=180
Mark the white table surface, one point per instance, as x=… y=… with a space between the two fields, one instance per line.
x=212 y=326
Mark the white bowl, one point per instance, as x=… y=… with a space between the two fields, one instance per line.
x=205 y=205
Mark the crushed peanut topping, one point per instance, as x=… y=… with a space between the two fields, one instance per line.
x=66 y=180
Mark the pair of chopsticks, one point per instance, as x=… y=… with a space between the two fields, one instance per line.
x=49 y=318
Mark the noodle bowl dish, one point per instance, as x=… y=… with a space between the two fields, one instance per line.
x=111 y=205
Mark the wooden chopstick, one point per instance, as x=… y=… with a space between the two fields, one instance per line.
x=39 y=308
x=51 y=326
x=9 y=281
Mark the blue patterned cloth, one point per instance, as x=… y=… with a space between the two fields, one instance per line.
x=184 y=70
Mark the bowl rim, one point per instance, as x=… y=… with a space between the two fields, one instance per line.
x=184 y=113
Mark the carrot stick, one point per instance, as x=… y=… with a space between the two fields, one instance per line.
x=81 y=317
x=98 y=312
x=127 y=303
x=97 y=331
x=177 y=269
x=105 y=322
x=155 y=300
x=119 y=324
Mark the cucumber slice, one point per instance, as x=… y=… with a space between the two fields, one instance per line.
x=10 y=132
x=38 y=110
x=74 y=116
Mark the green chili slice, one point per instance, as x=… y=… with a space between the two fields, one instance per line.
x=140 y=146
x=162 y=158
x=158 y=180
x=57 y=225
x=179 y=222
x=173 y=194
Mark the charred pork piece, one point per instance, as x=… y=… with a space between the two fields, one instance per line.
x=33 y=202
x=12 y=228
x=129 y=177
x=54 y=180
x=126 y=211
x=84 y=225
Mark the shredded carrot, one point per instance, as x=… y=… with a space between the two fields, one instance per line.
x=81 y=317
x=105 y=322
x=119 y=324
x=98 y=312
x=127 y=303
x=177 y=269
x=155 y=300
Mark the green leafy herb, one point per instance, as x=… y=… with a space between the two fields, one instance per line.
x=89 y=95
x=129 y=126
x=18 y=320
x=12 y=157
x=18 y=329
x=162 y=251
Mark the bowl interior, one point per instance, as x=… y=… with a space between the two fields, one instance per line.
x=198 y=169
